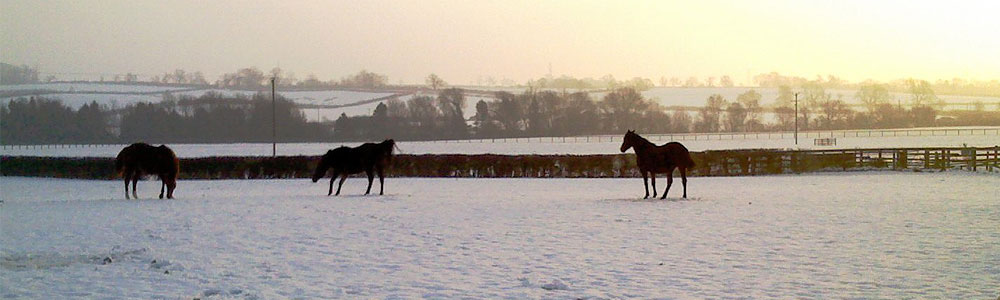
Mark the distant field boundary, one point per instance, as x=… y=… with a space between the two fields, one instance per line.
x=709 y=163
x=804 y=136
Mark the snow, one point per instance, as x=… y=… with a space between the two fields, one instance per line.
x=76 y=95
x=75 y=101
x=839 y=235
x=329 y=97
x=577 y=145
x=91 y=87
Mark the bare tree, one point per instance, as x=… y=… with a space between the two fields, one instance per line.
x=435 y=82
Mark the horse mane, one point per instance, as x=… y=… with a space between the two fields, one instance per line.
x=388 y=146
x=642 y=140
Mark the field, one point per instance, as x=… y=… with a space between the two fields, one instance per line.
x=846 y=235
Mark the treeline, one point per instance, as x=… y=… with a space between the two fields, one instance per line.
x=44 y=121
x=532 y=113
x=550 y=113
x=214 y=118
x=955 y=86
x=23 y=74
x=211 y=118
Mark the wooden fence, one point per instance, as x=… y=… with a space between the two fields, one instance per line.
x=709 y=163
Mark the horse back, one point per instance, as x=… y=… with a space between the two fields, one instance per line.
x=664 y=158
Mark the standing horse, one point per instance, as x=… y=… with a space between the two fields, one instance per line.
x=369 y=158
x=654 y=159
x=141 y=159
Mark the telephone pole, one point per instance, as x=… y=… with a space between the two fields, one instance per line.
x=274 y=123
x=796 y=118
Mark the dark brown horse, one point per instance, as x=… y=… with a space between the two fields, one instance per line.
x=370 y=158
x=141 y=159
x=654 y=159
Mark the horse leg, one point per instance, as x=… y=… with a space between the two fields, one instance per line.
x=371 y=177
x=670 y=181
x=128 y=176
x=171 y=185
x=135 y=180
x=652 y=176
x=684 y=181
x=381 y=181
x=645 y=183
x=332 y=179
x=163 y=185
x=342 y=179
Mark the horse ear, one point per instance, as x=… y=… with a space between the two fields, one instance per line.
x=632 y=131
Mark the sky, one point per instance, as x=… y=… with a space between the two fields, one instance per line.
x=462 y=41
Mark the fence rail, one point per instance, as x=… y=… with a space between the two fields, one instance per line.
x=708 y=163
x=724 y=136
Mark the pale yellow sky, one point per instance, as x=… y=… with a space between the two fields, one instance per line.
x=463 y=40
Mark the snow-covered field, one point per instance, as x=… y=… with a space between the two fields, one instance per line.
x=91 y=87
x=606 y=145
x=76 y=95
x=845 y=235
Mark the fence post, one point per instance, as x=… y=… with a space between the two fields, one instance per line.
x=927 y=159
x=972 y=153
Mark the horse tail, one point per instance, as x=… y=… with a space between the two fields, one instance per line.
x=120 y=161
x=684 y=159
x=689 y=163
x=119 y=166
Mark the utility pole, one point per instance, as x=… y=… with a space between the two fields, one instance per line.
x=274 y=123
x=796 y=119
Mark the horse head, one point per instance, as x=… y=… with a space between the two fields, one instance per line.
x=324 y=164
x=627 y=140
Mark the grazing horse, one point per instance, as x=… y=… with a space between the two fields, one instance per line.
x=141 y=159
x=369 y=158
x=653 y=159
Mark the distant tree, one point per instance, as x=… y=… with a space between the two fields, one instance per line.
x=623 y=108
x=198 y=78
x=180 y=76
x=834 y=114
x=691 y=82
x=872 y=95
x=581 y=114
x=785 y=116
x=923 y=116
x=509 y=113
x=483 y=121
x=11 y=74
x=424 y=116
x=435 y=82
x=812 y=95
x=451 y=103
x=725 y=81
x=609 y=82
x=380 y=123
x=736 y=116
x=751 y=102
x=365 y=79
x=680 y=121
x=921 y=93
x=710 y=114
x=639 y=84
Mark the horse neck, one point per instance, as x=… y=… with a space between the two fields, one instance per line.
x=641 y=144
